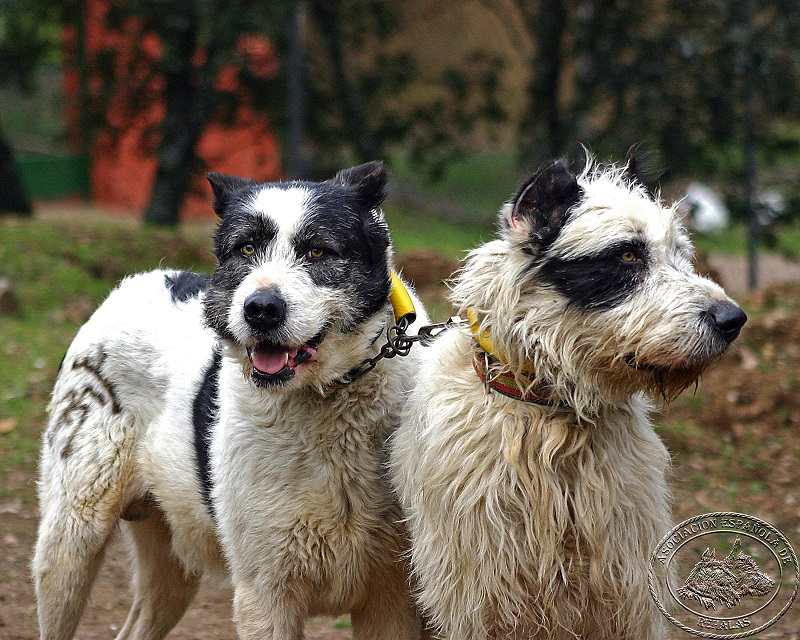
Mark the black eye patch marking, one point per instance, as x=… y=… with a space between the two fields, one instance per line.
x=598 y=281
x=240 y=229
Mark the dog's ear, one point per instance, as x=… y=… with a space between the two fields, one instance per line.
x=368 y=181
x=540 y=208
x=227 y=189
x=642 y=165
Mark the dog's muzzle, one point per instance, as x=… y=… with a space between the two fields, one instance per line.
x=275 y=360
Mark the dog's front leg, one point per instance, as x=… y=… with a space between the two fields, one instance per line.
x=387 y=610
x=266 y=617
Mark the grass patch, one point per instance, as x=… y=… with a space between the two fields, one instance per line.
x=342 y=622
x=783 y=238
x=473 y=188
x=413 y=230
x=60 y=273
x=730 y=242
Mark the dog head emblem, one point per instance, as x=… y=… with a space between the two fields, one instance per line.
x=715 y=582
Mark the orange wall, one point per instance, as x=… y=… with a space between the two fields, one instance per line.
x=122 y=163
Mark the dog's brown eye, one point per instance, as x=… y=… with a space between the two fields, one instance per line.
x=315 y=253
x=627 y=256
x=248 y=249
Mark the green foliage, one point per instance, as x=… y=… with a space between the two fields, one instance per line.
x=30 y=33
x=353 y=85
x=674 y=74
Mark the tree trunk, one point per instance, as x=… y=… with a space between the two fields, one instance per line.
x=328 y=18
x=543 y=131
x=188 y=97
x=12 y=196
x=296 y=158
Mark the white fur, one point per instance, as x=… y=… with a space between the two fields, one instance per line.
x=285 y=206
x=531 y=521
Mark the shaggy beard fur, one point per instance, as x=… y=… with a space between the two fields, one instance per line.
x=532 y=521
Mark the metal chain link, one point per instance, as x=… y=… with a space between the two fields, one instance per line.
x=399 y=343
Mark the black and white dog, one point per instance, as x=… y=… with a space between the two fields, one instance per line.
x=209 y=415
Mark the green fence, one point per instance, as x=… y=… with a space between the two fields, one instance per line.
x=53 y=176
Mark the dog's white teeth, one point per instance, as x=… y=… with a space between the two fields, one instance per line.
x=286 y=361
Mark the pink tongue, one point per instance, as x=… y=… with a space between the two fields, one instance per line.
x=269 y=360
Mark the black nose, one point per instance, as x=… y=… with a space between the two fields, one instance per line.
x=728 y=318
x=264 y=309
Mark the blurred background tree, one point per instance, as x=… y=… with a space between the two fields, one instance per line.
x=28 y=36
x=196 y=41
x=541 y=77
x=608 y=72
x=356 y=85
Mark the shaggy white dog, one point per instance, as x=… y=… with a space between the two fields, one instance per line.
x=532 y=479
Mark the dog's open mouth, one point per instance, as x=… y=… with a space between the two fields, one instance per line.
x=277 y=364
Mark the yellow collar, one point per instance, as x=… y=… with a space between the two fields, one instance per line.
x=481 y=335
x=488 y=364
x=401 y=302
x=404 y=315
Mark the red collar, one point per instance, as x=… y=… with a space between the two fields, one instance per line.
x=492 y=375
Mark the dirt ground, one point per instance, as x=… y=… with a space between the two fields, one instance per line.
x=735 y=442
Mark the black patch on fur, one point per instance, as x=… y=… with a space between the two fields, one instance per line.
x=368 y=181
x=204 y=412
x=545 y=200
x=229 y=191
x=73 y=409
x=339 y=219
x=599 y=281
x=354 y=242
x=235 y=229
x=238 y=228
x=186 y=285
x=95 y=367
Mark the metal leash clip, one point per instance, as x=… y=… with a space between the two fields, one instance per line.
x=399 y=343
x=427 y=334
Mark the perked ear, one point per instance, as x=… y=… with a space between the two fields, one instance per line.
x=540 y=207
x=368 y=180
x=226 y=189
x=642 y=166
